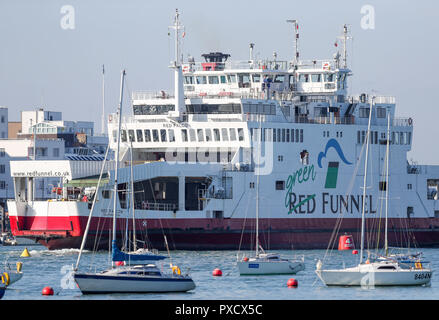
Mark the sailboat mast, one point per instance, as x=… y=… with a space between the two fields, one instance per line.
x=365 y=180
x=132 y=198
x=259 y=136
x=386 y=245
x=103 y=102
x=119 y=113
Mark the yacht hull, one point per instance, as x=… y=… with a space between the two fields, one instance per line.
x=98 y=283
x=269 y=267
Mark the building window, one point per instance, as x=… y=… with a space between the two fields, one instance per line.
x=2 y=184
x=56 y=152
x=2 y=152
x=280 y=185
x=2 y=168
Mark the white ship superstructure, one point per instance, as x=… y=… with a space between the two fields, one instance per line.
x=194 y=152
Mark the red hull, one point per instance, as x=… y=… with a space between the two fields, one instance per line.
x=225 y=234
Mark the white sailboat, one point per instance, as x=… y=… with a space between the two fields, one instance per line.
x=386 y=270
x=266 y=263
x=129 y=278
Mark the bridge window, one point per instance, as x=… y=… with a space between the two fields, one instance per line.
x=231 y=78
x=243 y=80
x=364 y=112
x=216 y=134
x=192 y=135
x=155 y=135
x=213 y=80
x=171 y=135
x=139 y=135
x=280 y=78
x=256 y=78
x=131 y=135
x=124 y=136
x=208 y=135
x=381 y=112
x=163 y=135
x=225 y=134
x=303 y=77
x=200 y=135
x=147 y=135
x=316 y=77
x=184 y=135
x=201 y=80
x=232 y=134
x=329 y=77
x=188 y=80
x=223 y=79
x=241 y=134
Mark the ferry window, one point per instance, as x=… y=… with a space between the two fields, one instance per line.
x=364 y=112
x=201 y=80
x=316 y=77
x=256 y=77
x=409 y=138
x=200 y=135
x=280 y=185
x=329 y=77
x=188 y=80
x=301 y=135
x=382 y=185
x=279 y=78
x=231 y=78
x=147 y=135
x=213 y=80
x=225 y=134
x=139 y=135
x=292 y=135
x=131 y=135
x=303 y=77
x=223 y=79
x=283 y=135
x=401 y=138
x=184 y=135
x=278 y=135
x=124 y=136
x=358 y=137
x=171 y=135
x=267 y=134
x=114 y=135
x=363 y=136
x=376 y=137
x=208 y=135
x=240 y=134
x=232 y=134
x=381 y=112
x=274 y=135
x=243 y=80
x=155 y=135
x=106 y=194
x=287 y=135
x=163 y=135
x=192 y=134
x=216 y=134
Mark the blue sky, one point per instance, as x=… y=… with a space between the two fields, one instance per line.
x=41 y=64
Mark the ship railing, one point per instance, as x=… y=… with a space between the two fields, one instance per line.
x=149 y=95
x=402 y=122
x=243 y=65
x=377 y=100
x=157 y=206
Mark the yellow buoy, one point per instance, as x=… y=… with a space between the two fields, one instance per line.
x=19 y=266
x=25 y=253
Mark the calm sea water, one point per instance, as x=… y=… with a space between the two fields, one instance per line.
x=51 y=268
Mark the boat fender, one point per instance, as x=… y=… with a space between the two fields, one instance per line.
x=176 y=270
x=5 y=278
x=418 y=265
x=19 y=266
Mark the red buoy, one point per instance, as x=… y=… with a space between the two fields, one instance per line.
x=47 y=291
x=354 y=251
x=245 y=259
x=217 y=273
x=119 y=263
x=346 y=242
x=292 y=283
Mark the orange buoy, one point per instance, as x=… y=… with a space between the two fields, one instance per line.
x=245 y=259
x=47 y=291
x=346 y=242
x=292 y=283
x=217 y=273
x=119 y=263
x=354 y=251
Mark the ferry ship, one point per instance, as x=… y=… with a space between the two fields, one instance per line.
x=191 y=157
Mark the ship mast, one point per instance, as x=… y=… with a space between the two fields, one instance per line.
x=296 y=41
x=344 y=38
x=103 y=102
